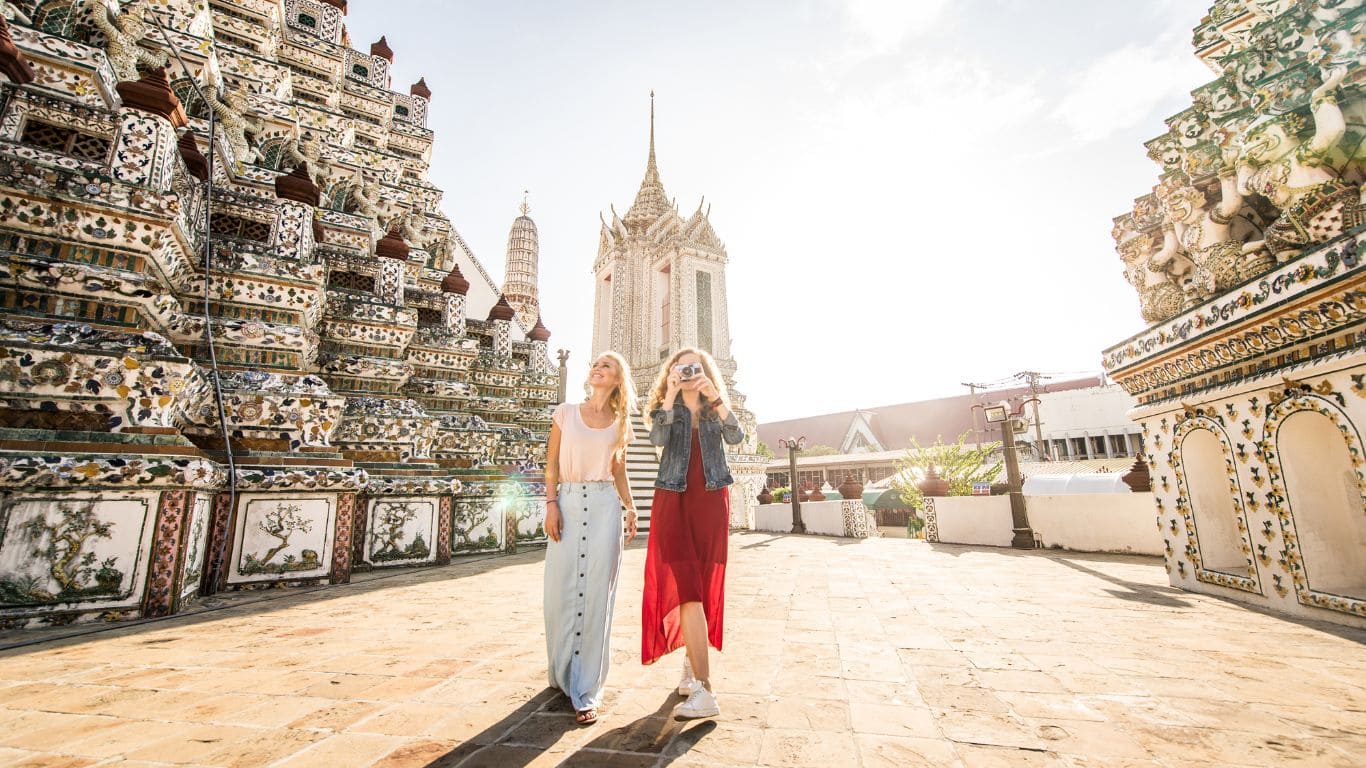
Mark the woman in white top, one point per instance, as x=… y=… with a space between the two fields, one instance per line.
x=586 y=488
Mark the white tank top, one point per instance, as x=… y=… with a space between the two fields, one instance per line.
x=585 y=452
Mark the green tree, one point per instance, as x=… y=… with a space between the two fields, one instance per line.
x=764 y=450
x=958 y=463
x=819 y=450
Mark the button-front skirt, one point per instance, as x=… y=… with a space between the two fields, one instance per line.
x=581 y=590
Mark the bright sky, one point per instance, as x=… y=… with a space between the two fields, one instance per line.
x=913 y=194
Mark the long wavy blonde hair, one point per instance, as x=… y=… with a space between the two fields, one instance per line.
x=622 y=401
x=708 y=367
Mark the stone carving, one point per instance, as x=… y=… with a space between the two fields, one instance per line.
x=1204 y=234
x=233 y=110
x=122 y=33
x=304 y=148
x=1159 y=285
x=1316 y=204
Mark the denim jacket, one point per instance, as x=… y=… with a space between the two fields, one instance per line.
x=673 y=431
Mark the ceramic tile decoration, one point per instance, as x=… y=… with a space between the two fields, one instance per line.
x=245 y=364
x=1246 y=257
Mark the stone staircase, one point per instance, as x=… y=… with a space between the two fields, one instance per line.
x=642 y=465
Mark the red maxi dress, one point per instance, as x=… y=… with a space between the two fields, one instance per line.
x=685 y=561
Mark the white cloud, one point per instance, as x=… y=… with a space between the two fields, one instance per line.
x=881 y=26
x=1123 y=87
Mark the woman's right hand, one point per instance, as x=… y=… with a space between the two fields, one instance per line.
x=674 y=384
x=553 y=524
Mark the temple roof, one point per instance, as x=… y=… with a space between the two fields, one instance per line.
x=651 y=201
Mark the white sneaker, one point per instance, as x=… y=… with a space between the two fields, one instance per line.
x=700 y=704
x=687 y=682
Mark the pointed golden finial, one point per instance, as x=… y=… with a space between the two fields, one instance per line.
x=650 y=166
x=526 y=207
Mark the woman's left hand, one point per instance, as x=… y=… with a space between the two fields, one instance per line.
x=706 y=388
x=630 y=525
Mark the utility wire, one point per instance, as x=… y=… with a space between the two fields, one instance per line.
x=208 y=267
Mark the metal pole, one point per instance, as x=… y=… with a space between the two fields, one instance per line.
x=797 y=525
x=1024 y=537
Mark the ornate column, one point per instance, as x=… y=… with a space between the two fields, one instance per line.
x=145 y=148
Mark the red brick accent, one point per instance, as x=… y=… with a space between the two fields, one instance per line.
x=341 y=544
x=166 y=562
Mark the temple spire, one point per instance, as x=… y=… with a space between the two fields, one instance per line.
x=526 y=207
x=650 y=169
x=651 y=201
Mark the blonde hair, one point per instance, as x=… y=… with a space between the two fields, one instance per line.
x=622 y=401
x=708 y=367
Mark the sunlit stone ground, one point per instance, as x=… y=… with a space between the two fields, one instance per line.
x=887 y=652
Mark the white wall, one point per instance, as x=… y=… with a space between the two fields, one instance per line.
x=824 y=518
x=974 y=520
x=1097 y=522
x=1094 y=410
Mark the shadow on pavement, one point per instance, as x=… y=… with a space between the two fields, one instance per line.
x=234 y=603
x=1165 y=597
x=524 y=735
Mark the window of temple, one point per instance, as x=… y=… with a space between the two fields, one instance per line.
x=1211 y=505
x=428 y=318
x=1326 y=500
x=227 y=225
x=64 y=19
x=351 y=281
x=66 y=141
x=272 y=153
x=704 y=321
x=189 y=98
x=662 y=287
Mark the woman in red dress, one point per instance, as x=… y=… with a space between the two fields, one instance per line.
x=685 y=562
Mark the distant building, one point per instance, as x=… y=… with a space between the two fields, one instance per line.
x=661 y=286
x=1083 y=424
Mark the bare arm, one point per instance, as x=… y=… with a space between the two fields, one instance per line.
x=553 y=522
x=1329 y=124
x=623 y=485
x=1232 y=198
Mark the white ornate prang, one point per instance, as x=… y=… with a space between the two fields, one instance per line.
x=1252 y=393
x=122 y=34
x=350 y=385
x=519 y=281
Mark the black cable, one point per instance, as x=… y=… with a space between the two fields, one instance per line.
x=208 y=315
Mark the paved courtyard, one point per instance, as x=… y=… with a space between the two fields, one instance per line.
x=838 y=653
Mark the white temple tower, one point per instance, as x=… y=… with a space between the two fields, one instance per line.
x=661 y=286
x=519 y=281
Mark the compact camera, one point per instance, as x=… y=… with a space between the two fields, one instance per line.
x=689 y=371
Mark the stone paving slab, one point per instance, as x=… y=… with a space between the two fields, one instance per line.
x=889 y=652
